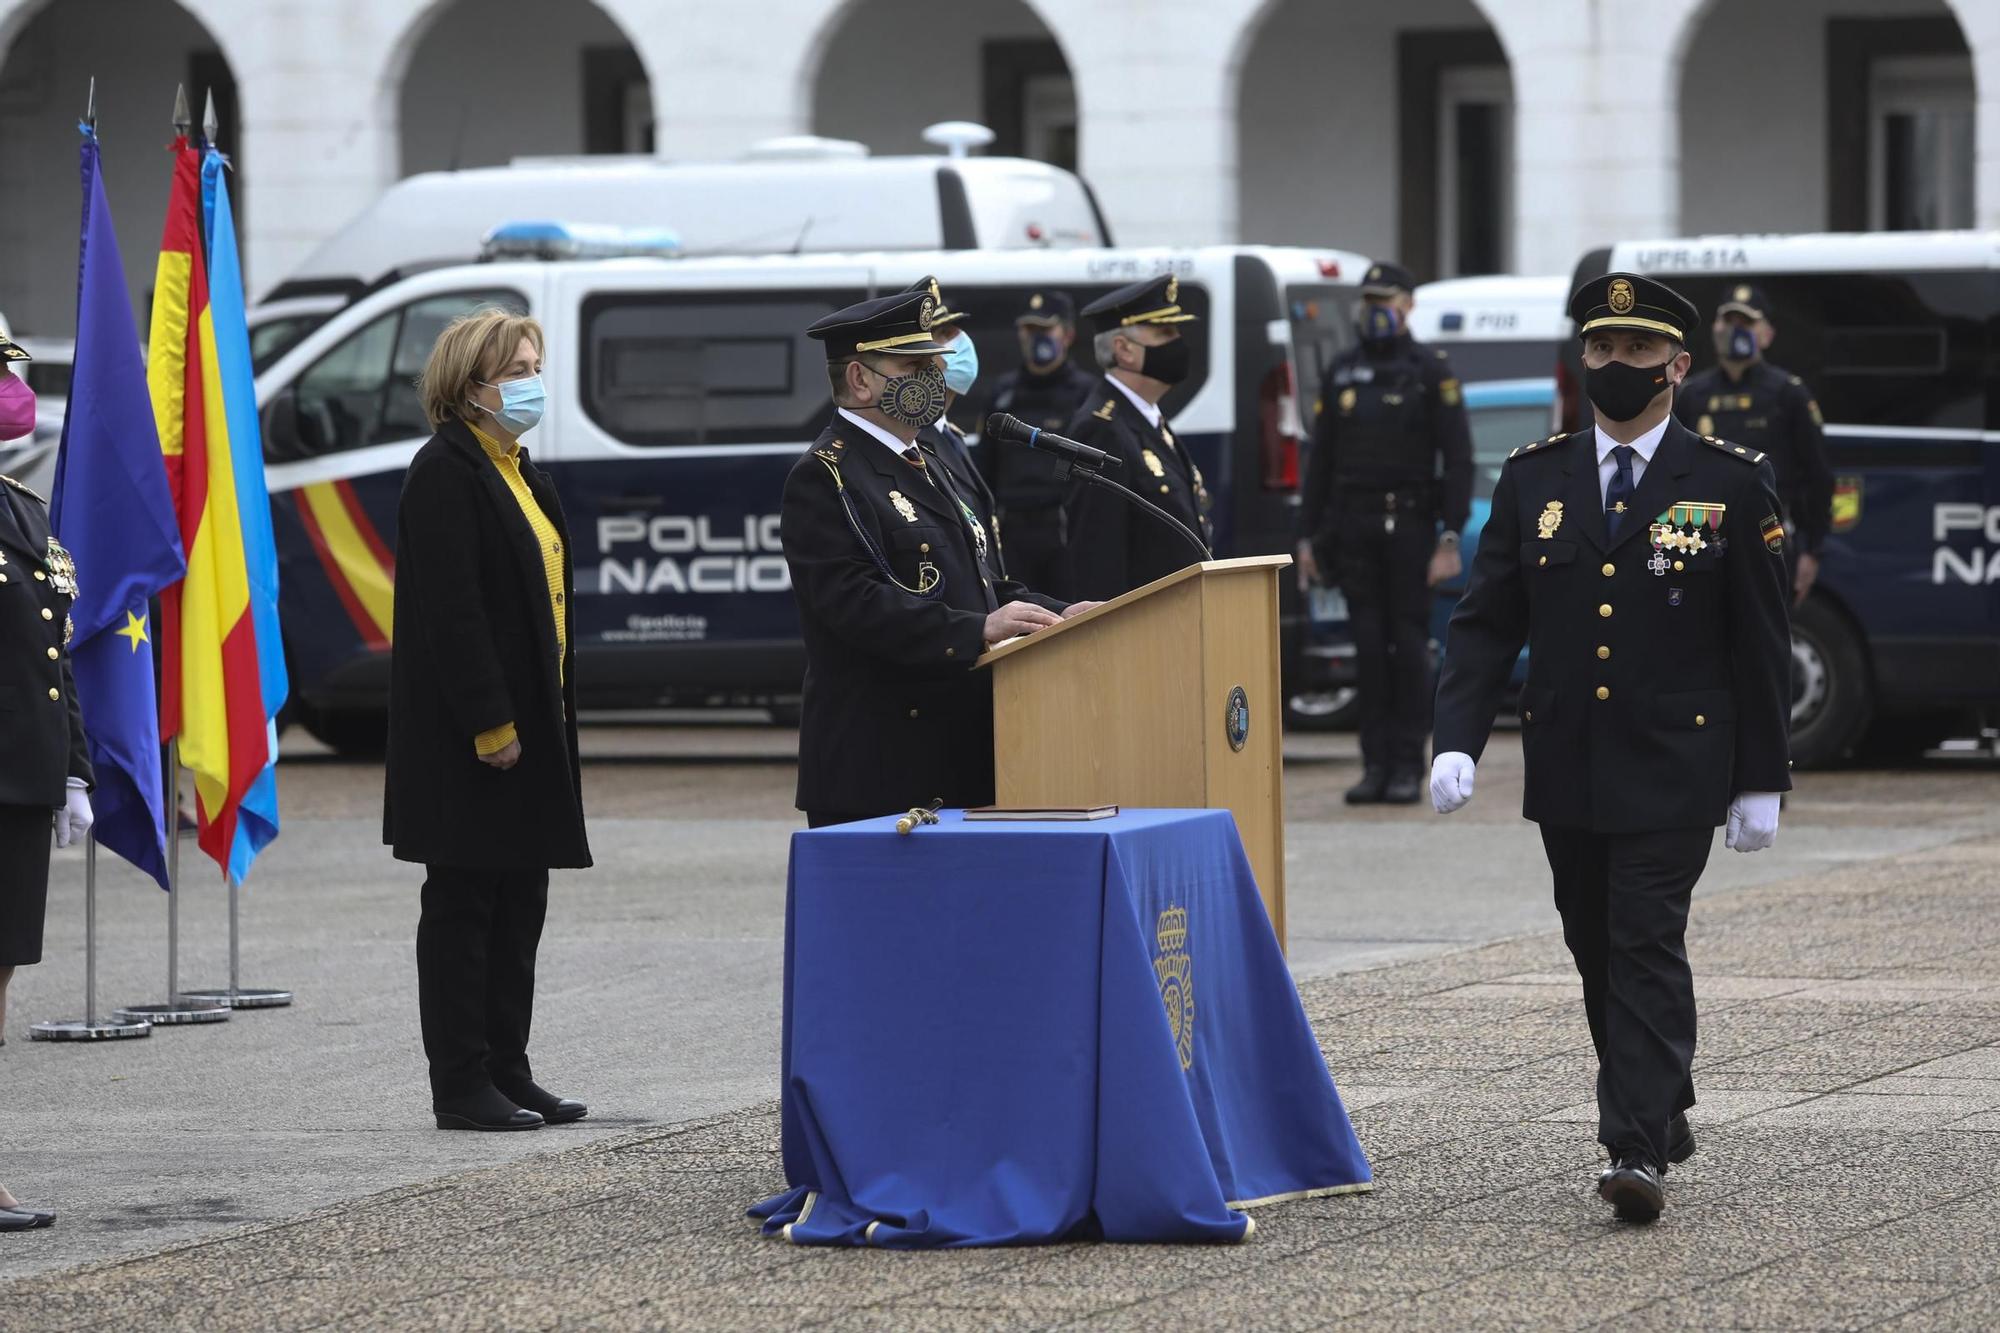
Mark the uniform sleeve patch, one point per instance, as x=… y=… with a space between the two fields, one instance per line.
x=1448 y=392
x=1773 y=533
x=1812 y=410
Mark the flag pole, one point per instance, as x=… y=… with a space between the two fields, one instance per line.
x=178 y=1008
x=88 y=1028
x=237 y=995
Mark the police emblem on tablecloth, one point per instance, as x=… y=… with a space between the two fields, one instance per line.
x=1236 y=718
x=903 y=506
x=1175 y=971
x=1551 y=519
x=1153 y=464
x=1620 y=297
x=61 y=567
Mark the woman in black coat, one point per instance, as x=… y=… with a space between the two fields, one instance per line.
x=483 y=785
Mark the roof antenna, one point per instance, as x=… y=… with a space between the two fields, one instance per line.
x=799 y=245
x=183 y=122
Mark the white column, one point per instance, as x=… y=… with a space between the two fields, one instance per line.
x=1597 y=124
x=1156 y=112
x=1980 y=22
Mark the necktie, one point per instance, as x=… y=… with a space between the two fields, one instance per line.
x=1618 y=495
x=915 y=458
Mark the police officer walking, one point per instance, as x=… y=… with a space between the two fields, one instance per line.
x=1113 y=549
x=1748 y=401
x=895 y=606
x=1045 y=392
x=1643 y=566
x=1388 y=487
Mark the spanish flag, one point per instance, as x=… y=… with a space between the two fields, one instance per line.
x=211 y=695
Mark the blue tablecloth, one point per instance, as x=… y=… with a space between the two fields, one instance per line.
x=1006 y=1033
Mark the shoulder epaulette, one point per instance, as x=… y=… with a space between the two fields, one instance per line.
x=25 y=490
x=1736 y=451
x=1104 y=413
x=1538 y=444
x=1795 y=379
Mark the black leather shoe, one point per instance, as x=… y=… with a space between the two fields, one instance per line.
x=487 y=1110
x=1404 y=789
x=1680 y=1139
x=1369 y=790
x=1634 y=1188
x=553 y=1109
x=12 y=1219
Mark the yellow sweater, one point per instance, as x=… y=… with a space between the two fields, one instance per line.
x=507 y=460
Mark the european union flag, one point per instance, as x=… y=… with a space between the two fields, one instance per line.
x=113 y=510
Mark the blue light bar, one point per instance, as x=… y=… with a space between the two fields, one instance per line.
x=578 y=240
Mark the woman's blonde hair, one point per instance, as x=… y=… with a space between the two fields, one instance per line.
x=472 y=347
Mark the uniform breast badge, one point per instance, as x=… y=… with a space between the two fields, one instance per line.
x=903 y=506
x=1175 y=971
x=1153 y=464
x=1551 y=519
x=62 y=569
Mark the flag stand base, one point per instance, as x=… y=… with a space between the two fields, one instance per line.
x=240 y=997
x=78 y=1030
x=172 y=1015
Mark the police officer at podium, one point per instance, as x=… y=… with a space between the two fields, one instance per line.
x=1388 y=488
x=1045 y=392
x=1140 y=344
x=1745 y=399
x=895 y=604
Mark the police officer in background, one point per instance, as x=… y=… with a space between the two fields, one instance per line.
x=1748 y=401
x=1388 y=487
x=1642 y=566
x=1112 y=548
x=895 y=606
x=1045 y=392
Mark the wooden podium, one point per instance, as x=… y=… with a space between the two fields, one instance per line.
x=1166 y=696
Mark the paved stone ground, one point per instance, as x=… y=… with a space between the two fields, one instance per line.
x=1848 y=1176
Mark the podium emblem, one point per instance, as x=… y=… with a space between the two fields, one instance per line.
x=1236 y=718
x=1175 y=971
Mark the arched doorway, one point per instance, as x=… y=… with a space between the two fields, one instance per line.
x=1003 y=69
x=1804 y=117
x=1387 y=130
x=137 y=53
x=492 y=80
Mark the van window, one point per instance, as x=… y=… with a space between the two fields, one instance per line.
x=363 y=392
x=1322 y=328
x=668 y=369
x=274 y=337
x=1877 y=349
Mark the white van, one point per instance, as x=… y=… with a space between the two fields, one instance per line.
x=680 y=392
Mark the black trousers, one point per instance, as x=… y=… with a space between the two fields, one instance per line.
x=1385 y=576
x=24 y=882
x=1032 y=540
x=476 y=947
x=1624 y=904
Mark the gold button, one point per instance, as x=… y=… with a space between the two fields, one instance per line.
x=1603 y=652
x=559 y=599
x=951 y=652
x=3 y=578
x=1700 y=721
x=54 y=693
x=48 y=614
x=1528 y=716
x=1605 y=610
x=1609 y=569
x=1543 y=561
x=925 y=548
x=41 y=577
x=913 y=712
x=1603 y=691
x=53 y=654
x=1163 y=489
x=1741 y=450
x=1679 y=565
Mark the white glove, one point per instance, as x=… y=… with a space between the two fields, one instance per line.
x=75 y=818
x=1451 y=781
x=1753 y=821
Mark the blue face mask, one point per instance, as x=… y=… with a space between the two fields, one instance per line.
x=961 y=364
x=521 y=403
x=1379 y=323
x=1742 y=343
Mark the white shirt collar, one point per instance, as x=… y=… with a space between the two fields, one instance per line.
x=1150 y=411
x=895 y=445
x=1645 y=445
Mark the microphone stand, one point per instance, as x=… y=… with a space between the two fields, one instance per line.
x=1075 y=470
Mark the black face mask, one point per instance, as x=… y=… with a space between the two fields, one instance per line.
x=1623 y=391
x=1168 y=363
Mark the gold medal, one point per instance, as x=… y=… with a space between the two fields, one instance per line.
x=903 y=506
x=1153 y=464
x=1551 y=519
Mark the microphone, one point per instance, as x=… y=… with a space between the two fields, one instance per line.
x=1012 y=430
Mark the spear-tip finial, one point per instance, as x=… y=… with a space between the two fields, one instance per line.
x=183 y=122
x=210 y=126
x=90 y=106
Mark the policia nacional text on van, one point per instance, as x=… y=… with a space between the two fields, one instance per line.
x=1643 y=565
x=895 y=604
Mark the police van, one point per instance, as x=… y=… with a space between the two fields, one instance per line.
x=1898 y=335
x=680 y=391
x=1503 y=334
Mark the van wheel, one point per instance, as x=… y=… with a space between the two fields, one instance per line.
x=1832 y=700
x=1323 y=710
x=351 y=733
